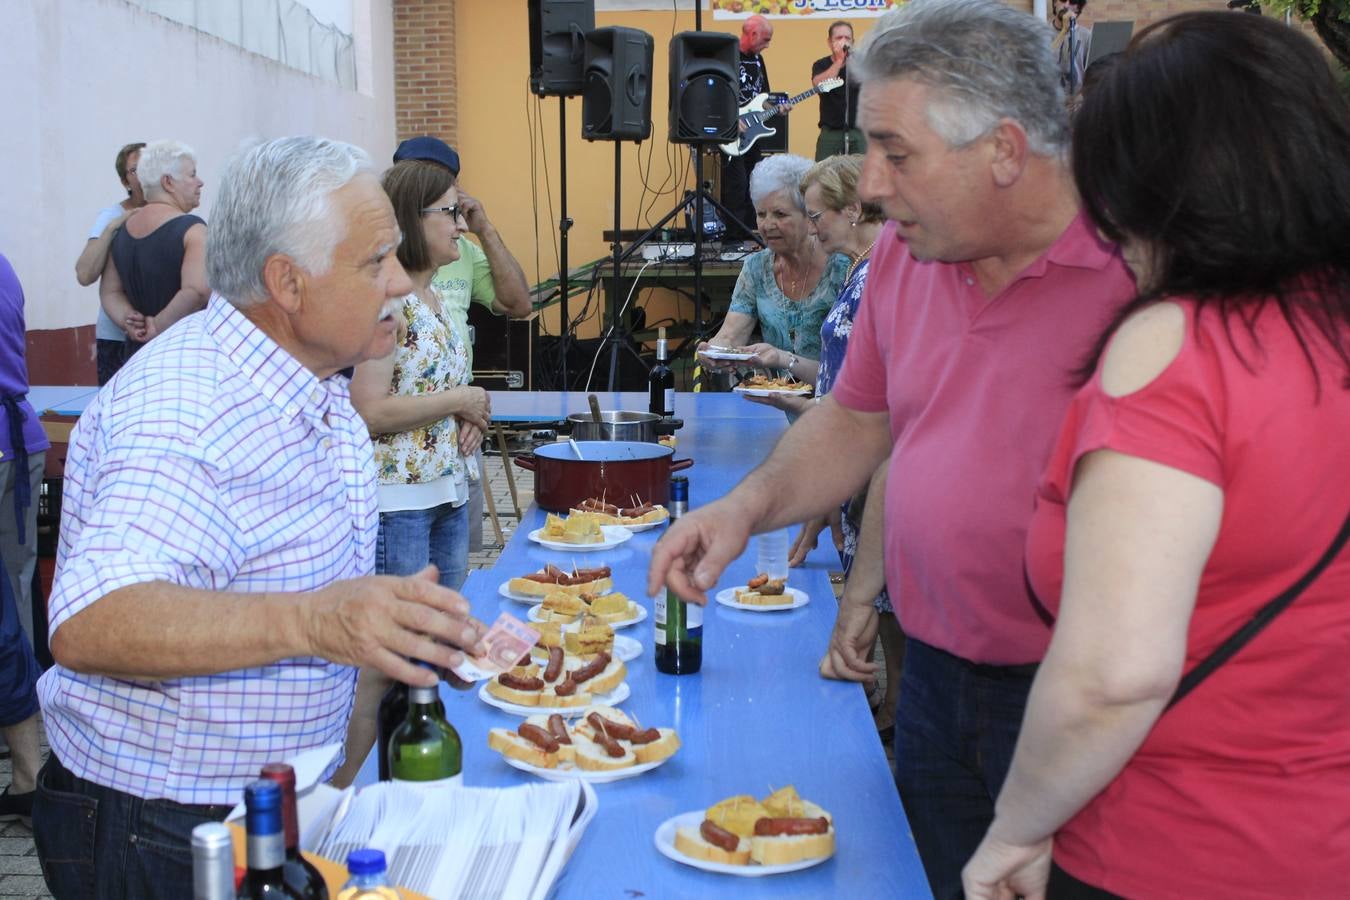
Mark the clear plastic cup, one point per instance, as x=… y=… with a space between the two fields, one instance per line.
x=772 y=553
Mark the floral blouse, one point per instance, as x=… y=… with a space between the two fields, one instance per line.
x=432 y=358
x=838 y=325
x=787 y=324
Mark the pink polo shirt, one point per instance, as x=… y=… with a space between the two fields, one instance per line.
x=976 y=388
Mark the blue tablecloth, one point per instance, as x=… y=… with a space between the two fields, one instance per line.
x=757 y=717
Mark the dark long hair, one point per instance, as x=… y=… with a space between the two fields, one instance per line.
x=1222 y=143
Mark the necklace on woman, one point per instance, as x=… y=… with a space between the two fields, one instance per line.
x=858 y=261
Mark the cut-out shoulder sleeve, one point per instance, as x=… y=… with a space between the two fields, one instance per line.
x=1142 y=349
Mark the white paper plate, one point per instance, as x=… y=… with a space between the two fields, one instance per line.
x=569 y=772
x=625 y=648
x=645 y=526
x=723 y=353
x=504 y=589
x=614 y=536
x=770 y=392
x=618 y=695
x=638 y=616
x=665 y=843
x=728 y=598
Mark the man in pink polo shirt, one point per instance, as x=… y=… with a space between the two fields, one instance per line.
x=986 y=291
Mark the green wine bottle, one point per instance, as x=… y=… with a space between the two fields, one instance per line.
x=679 y=635
x=425 y=748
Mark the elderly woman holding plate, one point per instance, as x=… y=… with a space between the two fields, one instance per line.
x=787 y=288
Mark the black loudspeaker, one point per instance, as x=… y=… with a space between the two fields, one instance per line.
x=616 y=93
x=703 y=87
x=557 y=45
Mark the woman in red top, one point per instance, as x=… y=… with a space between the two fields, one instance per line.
x=1201 y=472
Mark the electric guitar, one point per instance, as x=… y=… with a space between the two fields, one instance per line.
x=757 y=110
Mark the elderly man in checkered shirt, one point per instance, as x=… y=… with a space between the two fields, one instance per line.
x=213 y=593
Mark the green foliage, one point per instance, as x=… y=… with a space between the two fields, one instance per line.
x=1305 y=9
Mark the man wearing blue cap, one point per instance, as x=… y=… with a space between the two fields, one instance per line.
x=486 y=274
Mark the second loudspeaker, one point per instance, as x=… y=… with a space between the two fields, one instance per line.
x=703 y=87
x=616 y=92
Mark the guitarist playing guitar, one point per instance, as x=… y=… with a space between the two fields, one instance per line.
x=839 y=111
x=756 y=33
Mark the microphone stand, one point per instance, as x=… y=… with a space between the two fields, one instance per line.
x=848 y=107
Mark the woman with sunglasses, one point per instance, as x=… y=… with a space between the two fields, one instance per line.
x=426 y=424
x=1200 y=474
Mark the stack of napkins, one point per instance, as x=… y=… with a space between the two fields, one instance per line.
x=453 y=842
x=446 y=842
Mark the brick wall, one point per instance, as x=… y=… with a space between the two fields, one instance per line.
x=424 y=69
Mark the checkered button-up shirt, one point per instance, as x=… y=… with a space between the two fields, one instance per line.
x=213 y=460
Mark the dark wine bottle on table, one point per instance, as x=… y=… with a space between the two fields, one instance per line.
x=266 y=844
x=425 y=748
x=299 y=873
x=661 y=382
x=678 y=646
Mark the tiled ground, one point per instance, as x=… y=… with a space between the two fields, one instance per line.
x=19 y=872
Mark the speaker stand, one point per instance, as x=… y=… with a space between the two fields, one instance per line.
x=564 y=226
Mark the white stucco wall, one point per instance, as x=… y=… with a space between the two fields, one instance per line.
x=80 y=78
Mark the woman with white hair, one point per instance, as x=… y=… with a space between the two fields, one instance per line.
x=156 y=269
x=787 y=288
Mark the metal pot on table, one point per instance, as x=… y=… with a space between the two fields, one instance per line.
x=619 y=425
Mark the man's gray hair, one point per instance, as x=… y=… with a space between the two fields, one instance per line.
x=987 y=60
x=780 y=172
x=160 y=158
x=276 y=197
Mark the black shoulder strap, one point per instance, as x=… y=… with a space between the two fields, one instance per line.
x=1263 y=617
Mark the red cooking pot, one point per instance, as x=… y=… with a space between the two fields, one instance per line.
x=617 y=471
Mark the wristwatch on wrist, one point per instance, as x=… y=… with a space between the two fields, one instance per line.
x=792 y=362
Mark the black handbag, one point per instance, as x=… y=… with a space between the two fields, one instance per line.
x=1263 y=617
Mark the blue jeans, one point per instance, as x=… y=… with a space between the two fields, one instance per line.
x=97 y=843
x=956 y=727
x=411 y=538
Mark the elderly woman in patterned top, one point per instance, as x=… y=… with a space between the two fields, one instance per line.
x=787 y=288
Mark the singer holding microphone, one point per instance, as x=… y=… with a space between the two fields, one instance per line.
x=838 y=109
x=1071 y=43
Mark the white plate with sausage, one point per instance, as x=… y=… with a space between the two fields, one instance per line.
x=665 y=843
x=625 y=648
x=645 y=526
x=618 y=695
x=638 y=615
x=567 y=771
x=728 y=598
x=504 y=589
x=614 y=536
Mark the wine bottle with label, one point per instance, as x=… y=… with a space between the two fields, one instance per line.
x=425 y=748
x=300 y=874
x=661 y=382
x=678 y=645
x=266 y=843
x=393 y=710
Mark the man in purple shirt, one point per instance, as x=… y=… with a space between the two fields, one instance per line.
x=23 y=452
x=214 y=594
x=987 y=289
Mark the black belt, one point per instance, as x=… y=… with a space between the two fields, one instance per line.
x=23 y=492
